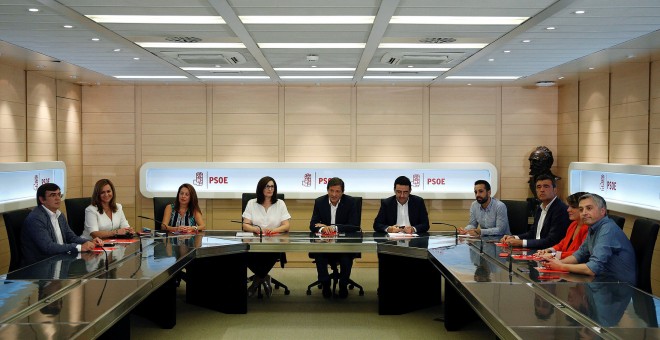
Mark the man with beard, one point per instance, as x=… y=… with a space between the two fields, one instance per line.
x=487 y=214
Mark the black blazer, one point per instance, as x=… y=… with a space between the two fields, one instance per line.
x=554 y=226
x=346 y=212
x=386 y=217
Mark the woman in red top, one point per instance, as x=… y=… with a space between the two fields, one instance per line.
x=576 y=233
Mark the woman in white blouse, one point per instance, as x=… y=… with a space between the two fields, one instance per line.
x=104 y=218
x=266 y=215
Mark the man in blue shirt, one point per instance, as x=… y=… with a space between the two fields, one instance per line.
x=607 y=252
x=487 y=214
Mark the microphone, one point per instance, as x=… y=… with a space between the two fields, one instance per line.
x=149 y=218
x=451 y=225
x=254 y=225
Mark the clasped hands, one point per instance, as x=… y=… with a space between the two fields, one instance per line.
x=325 y=229
x=511 y=240
x=90 y=245
x=400 y=229
x=471 y=232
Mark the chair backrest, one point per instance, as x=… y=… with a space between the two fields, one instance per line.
x=517 y=213
x=619 y=220
x=14 y=222
x=75 y=213
x=643 y=236
x=250 y=195
x=358 y=206
x=159 y=209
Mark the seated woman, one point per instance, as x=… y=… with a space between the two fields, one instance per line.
x=104 y=218
x=266 y=215
x=184 y=215
x=576 y=233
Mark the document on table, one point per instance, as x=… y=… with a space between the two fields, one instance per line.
x=401 y=235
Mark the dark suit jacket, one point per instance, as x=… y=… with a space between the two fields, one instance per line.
x=346 y=212
x=386 y=217
x=38 y=237
x=554 y=226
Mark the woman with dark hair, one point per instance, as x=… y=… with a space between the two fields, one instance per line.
x=576 y=233
x=264 y=215
x=104 y=218
x=184 y=215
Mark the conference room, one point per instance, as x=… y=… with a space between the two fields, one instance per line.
x=266 y=85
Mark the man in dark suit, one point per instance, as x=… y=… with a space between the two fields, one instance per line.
x=402 y=212
x=45 y=231
x=331 y=210
x=551 y=216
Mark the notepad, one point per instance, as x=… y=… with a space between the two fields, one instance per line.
x=100 y=250
x=525 y=257
x=468 y=236
x=401 y=235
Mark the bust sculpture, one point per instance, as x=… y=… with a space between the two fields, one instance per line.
x=540 y=162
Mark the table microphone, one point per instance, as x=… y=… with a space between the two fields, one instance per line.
x=254 y=225
x=149 y=218
x=451 y=225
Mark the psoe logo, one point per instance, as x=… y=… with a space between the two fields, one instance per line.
x=416 y=180
x=199 y=179
x=603 y=179
x=36 y=182
x=307 y=180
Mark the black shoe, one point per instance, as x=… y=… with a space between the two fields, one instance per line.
x=327 y=292
x=343 y=291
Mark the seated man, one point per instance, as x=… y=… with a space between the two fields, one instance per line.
x=487 y=214
x=402 y=212
x=550 y=220
x=330 y=210
x=45 y=231
x=607 y=251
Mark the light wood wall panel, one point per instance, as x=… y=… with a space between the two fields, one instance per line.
x=69 y=143
x=629 y=113
x=389 y=109
x=594 y=119
x=529 y=120
x=41 y=118
x=567 y=132
x=109 y=141
x=654 y=115
x=317 y=125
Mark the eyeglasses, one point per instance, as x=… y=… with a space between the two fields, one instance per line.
x=270 y=187
x=55 y=194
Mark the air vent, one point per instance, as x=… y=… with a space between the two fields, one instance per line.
x=202 y=59
x=436 y=40
x=419 y=58
x=183 y=39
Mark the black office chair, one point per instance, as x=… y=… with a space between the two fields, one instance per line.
x=518 y=214
x=334 y=266
x=643 y=236
x=244 y=199
x=619 y=220
x=14 y=223
x=159 y=209
x=75 y=213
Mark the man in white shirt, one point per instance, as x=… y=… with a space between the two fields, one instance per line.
x=45 y=231
x=550 y=221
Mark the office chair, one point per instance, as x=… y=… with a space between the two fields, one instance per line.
x=244 y=199
x=159 y=209
x=334 y=266
x=75 y=213
x=619 y=220
x=14 y=223
x=518 y=213
x=643 y=236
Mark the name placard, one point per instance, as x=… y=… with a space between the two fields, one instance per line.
x=631 y=189
x=309 y=180
x=19 y=182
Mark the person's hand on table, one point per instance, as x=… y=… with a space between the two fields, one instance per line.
x=393 y=229
x=268 y=231
x=408 y=229
x=554 y=264
x=474 y=232
x=88 y=246
x=462 y=231
x=513 y=242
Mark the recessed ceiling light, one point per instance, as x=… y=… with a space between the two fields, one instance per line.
x=67 y=26
x=484 y=77
x=33 y=10
x=469 y=84
x=411 y=66
x=560 y=78
x=401 y=69
x=95 y=39
x=307 y=19
x=189 y=45
x=328 y=69
x=157 y=19
x=491 y=59
x=117 y=50
x=526 y=41
x=579 y=12
x=434 y=46
x=215 y=69
x=311 y=45
x=591 y=68
x=313 y=66
x=550 y=28
x=507 y=51
x=73 y=76
x=456 y=20
x=630 y=56
x=136 y=58
x=151 y=77
x=218 y=66
x=545 y=83
x=233 y=77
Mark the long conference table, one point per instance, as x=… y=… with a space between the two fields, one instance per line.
x=92 y=295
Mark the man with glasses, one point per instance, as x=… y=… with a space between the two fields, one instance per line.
x=45 y=231
x=402 y=212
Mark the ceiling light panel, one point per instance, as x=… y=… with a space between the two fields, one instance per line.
x=307 y=19
x=158 y=19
